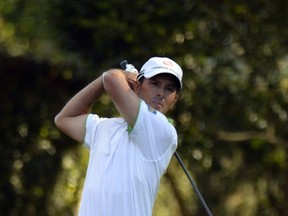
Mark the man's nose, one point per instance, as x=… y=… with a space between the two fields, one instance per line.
x=160 y=92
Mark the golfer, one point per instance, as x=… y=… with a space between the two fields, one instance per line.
x=128 y=154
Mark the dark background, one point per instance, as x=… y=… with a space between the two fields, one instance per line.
x=231 y=118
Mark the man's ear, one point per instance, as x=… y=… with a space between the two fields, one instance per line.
x=175 y=100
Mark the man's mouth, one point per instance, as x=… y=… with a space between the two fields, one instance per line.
x=157 y=105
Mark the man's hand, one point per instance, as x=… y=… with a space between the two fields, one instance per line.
x=131 y=78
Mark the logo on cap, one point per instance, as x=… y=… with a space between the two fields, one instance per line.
x=168 y=63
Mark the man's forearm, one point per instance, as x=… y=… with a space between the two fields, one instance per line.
x=71 y=119
x=83 y=100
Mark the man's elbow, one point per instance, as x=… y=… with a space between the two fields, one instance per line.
x=57 y=121
x=111 y=79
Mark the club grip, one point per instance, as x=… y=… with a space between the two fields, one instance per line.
x=128 y=67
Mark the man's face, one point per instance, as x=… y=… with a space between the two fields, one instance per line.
x=159 y=92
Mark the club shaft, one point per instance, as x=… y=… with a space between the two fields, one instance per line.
x=193 y=184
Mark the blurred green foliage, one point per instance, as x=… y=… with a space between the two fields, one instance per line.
x=231 y=118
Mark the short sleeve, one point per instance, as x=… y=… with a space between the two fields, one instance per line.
x=155 y=136
x=91 y=125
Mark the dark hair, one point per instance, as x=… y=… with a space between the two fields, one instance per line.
x=141 y=80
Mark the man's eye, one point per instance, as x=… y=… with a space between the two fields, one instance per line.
x=171 y=89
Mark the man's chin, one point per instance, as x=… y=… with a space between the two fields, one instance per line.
x=160 y=109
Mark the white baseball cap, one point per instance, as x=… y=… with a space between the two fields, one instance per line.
x=160 y=65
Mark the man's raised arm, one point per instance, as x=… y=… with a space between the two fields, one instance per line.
x=71 y=119
x=122 y=88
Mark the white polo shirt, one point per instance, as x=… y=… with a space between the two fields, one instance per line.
x=125 y=167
